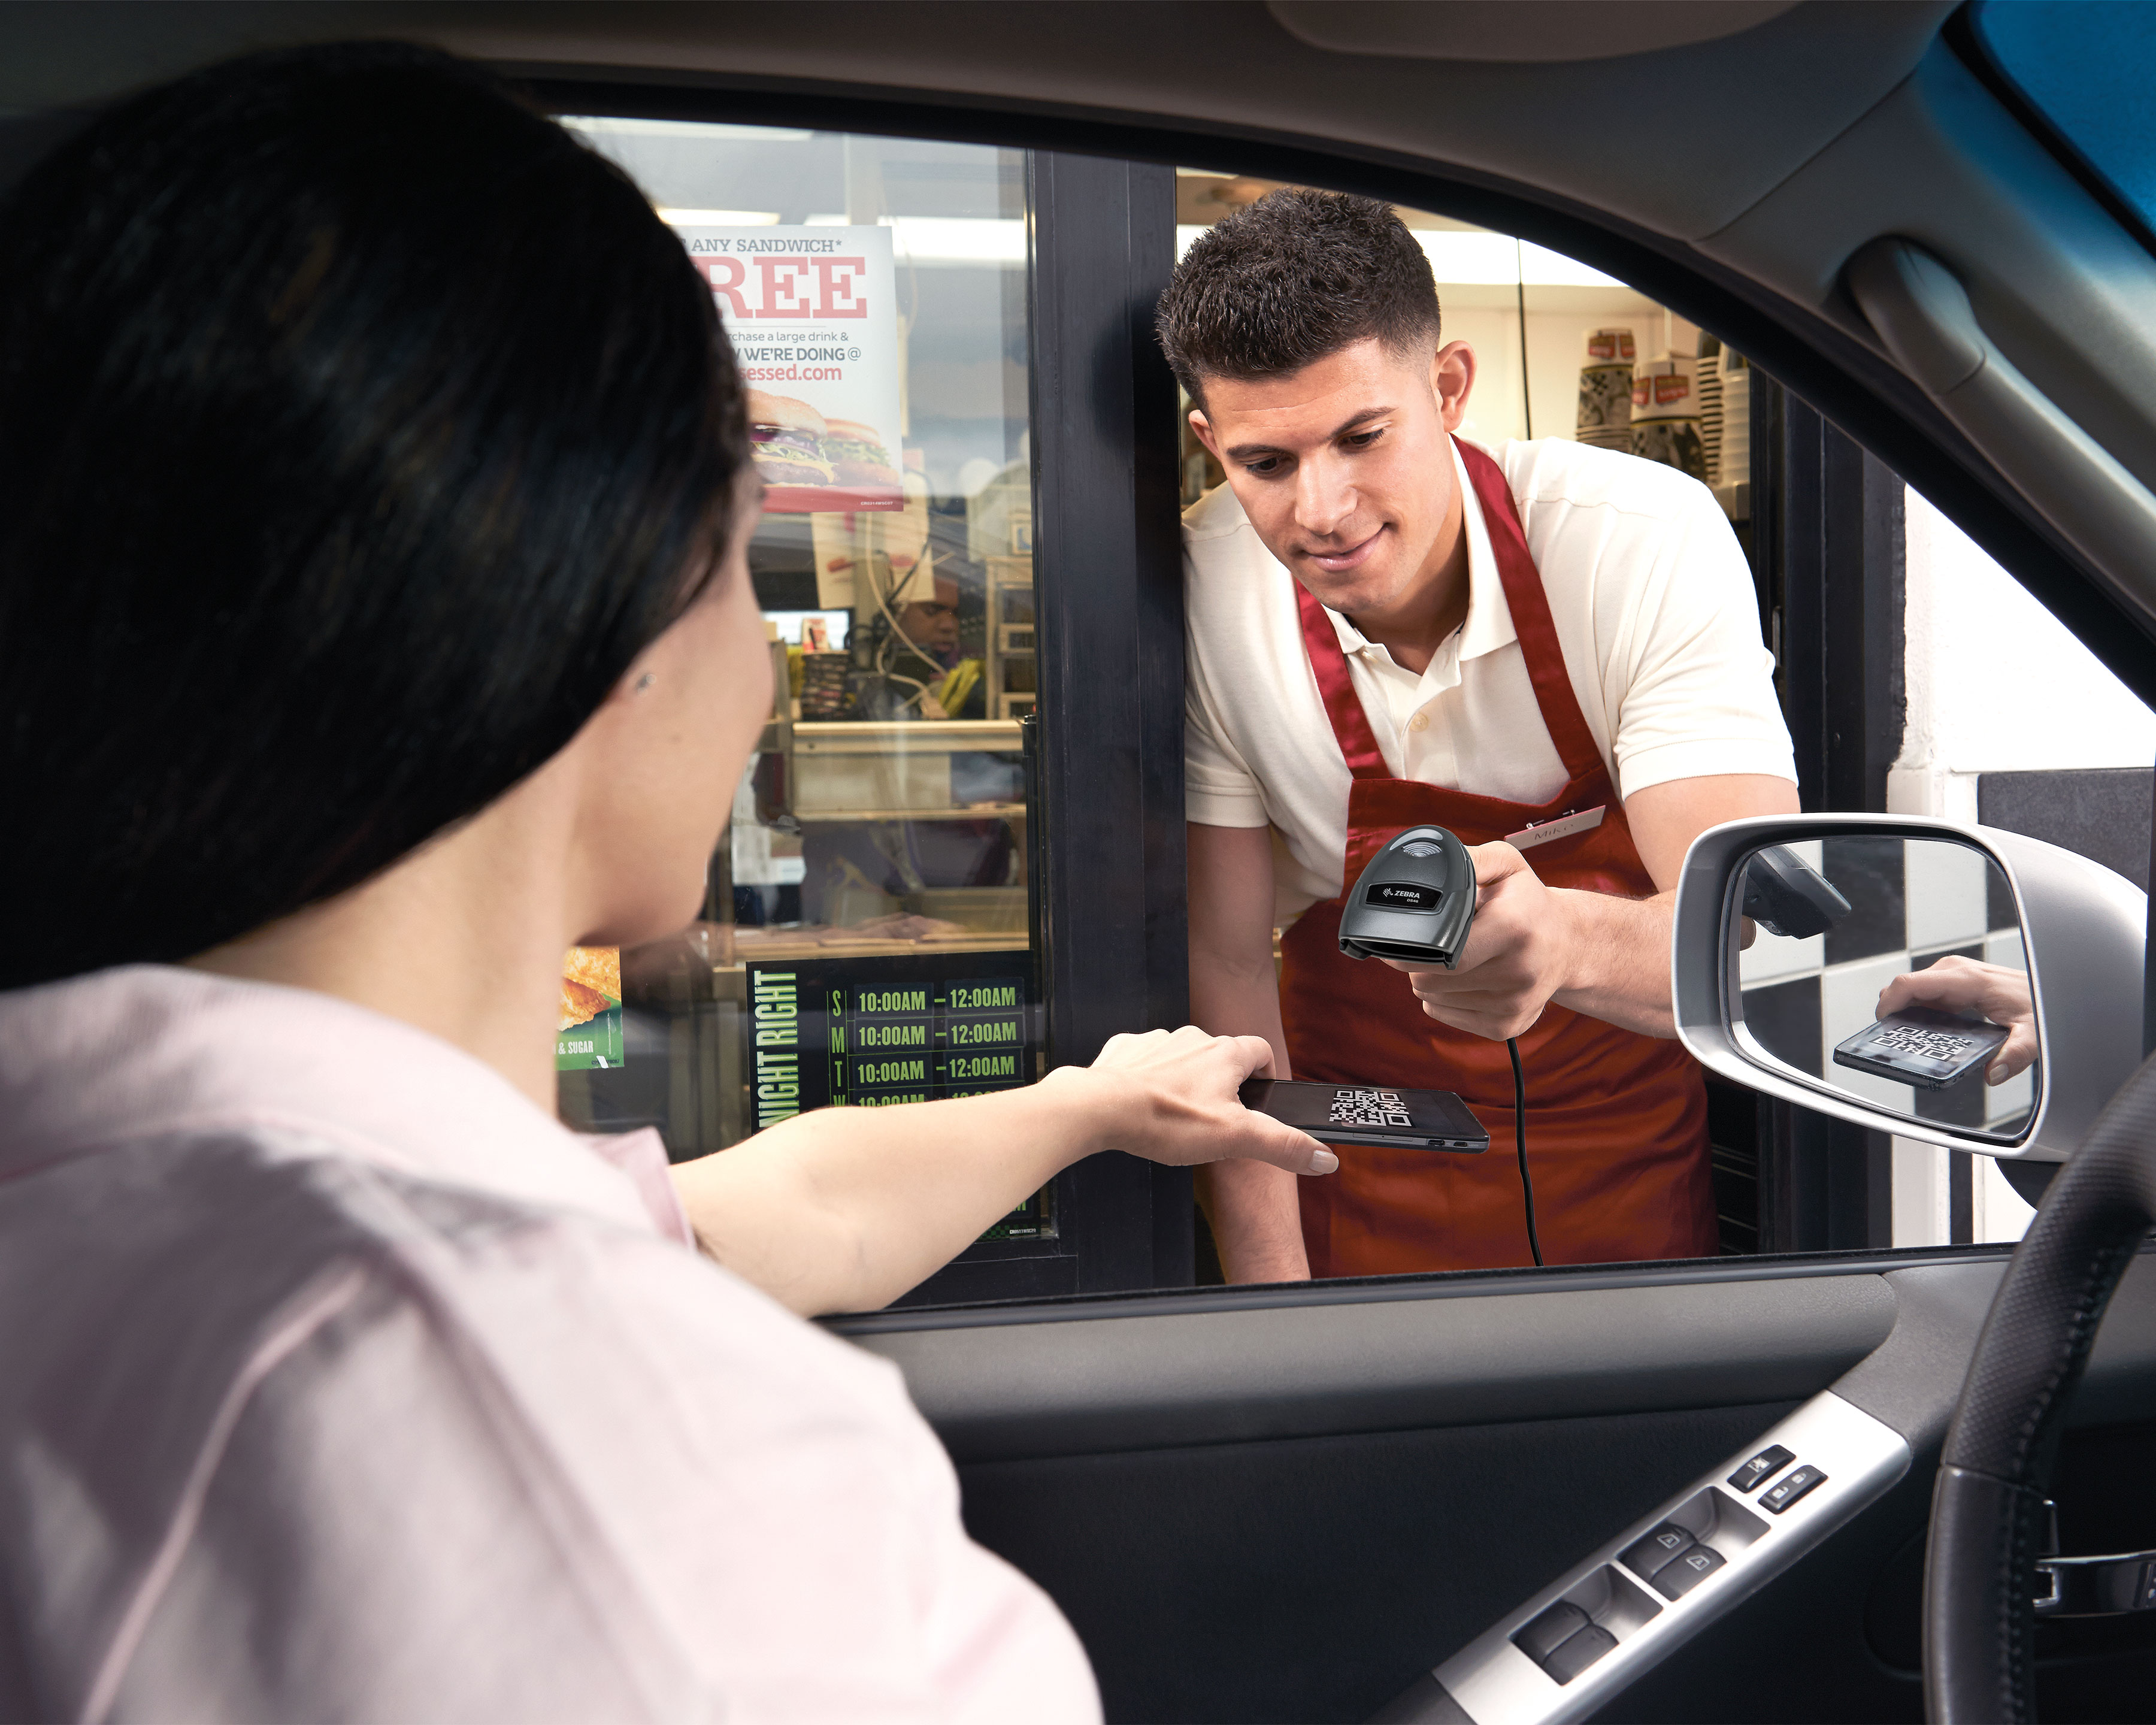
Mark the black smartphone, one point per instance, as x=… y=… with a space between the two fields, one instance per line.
x=1368 y=1114
x=1923 y=1046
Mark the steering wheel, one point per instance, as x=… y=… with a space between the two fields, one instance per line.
x=1988 y=1507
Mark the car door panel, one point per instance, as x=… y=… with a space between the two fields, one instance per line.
x=1289 y=1509
x=1471 y=1350
x=1839 y=1637
x=1315 y=1578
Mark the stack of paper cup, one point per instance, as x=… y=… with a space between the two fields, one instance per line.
x=1710 y=406
x=1735 y=418
x=1725 y=411
x=1606 y=390
x=1666 y=413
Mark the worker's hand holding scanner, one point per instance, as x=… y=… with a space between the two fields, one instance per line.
x=1532 y=943
x=1520 y=953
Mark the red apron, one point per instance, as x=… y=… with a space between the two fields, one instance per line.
x=1616 y=1121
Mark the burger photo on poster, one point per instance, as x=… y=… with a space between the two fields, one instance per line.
x=857 y=455
x=787 y=441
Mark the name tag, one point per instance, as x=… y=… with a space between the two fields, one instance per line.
x=1564 y=827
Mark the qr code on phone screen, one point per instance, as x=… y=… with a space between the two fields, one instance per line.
x=1913 y=1040
x=1368 y=1107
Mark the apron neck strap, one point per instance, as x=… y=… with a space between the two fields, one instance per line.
x=1531 y=622
x=1351 y=725
x=1530 y=616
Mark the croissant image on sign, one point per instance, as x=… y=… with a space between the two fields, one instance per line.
x=591 y=983
x=588 y=1033
x=813 y=315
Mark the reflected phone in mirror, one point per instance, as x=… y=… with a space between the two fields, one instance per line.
x=1369 y=1114
x=1923 y=1046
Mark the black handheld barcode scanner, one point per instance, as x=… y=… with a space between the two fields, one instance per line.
x=1415 y=903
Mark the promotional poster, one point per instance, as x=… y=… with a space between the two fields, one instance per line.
x=812 y=314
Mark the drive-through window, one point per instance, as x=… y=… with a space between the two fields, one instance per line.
x=957 y=857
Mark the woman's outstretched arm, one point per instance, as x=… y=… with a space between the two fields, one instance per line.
x=845 y=1209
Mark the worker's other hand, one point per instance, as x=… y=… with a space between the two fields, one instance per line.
x=1958 y=984
x=1519 y=952
x=1169 y=1096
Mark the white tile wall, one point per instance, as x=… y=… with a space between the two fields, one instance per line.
x=1946 y=897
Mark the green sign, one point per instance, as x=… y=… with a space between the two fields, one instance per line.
x=878 y=1032
x=595 y=1042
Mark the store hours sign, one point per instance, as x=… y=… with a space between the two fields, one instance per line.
x=870 y=1032
x=813 y=315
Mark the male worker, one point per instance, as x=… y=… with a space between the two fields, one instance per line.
x=1389 y=625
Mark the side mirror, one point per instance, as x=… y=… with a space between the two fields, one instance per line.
x=1788 y=930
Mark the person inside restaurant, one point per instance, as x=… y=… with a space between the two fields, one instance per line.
x=1552 y=650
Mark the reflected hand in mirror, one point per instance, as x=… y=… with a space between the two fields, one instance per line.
x=1889 y=971
x=1965 y=987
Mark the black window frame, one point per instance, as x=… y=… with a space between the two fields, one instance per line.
x=1832 y=410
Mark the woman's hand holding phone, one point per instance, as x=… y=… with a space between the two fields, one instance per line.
x=842 y=1209
x=1170 y=1096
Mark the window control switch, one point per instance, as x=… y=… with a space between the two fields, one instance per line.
x=1792 y=1485
x=1644 y=1557
x=1686 y=1571
x=1543 y=1637
x=1577 y=1652
x=1761 y=1468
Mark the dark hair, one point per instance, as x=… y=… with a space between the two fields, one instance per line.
x=358 y=427
x=1290 y=279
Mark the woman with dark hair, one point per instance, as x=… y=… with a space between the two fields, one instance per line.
x=373 y=625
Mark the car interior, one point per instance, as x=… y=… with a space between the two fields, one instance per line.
x=1854 y=1467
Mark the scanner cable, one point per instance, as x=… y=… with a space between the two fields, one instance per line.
x=1520 y=1143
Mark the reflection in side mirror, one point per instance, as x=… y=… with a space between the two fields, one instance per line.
x=1880 y=975
x=1786 y=895
x=1954 y=985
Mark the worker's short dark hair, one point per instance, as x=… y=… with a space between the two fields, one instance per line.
x=358 y=427
x=1290 y=279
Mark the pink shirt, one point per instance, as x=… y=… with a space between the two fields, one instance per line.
x=338 y=1380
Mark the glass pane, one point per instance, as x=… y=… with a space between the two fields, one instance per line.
x=866 y=939
x=2086 y=66
x=1562 y=352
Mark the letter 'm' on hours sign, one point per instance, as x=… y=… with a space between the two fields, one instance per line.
x=813 y=314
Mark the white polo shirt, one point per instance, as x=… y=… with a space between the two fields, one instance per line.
x=1653 y=607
